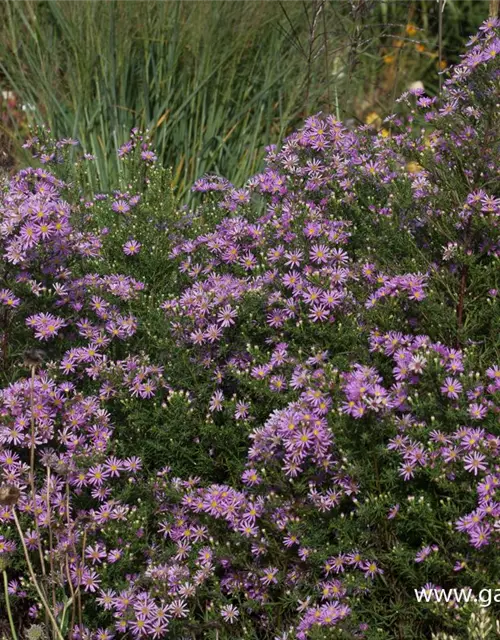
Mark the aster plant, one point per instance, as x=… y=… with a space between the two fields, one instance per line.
x=273 y=416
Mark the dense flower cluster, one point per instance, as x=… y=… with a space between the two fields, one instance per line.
x=469 y=447
x=70 y=438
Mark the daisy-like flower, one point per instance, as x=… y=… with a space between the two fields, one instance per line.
x=113 y=466
x=293 y=258
x=242 y=409
x=229 y=613
x=90 y=580
x=131 y=247
x=251 y=477
x=332 y=298
x=248 y=261
x=149 y=156
x=450 y=454
x=269 y=576
x=178 y=608
x=278 y=383
x=104 y=634
x=216 y=401
x=120 y=206
x=312 y=230
x=475 y=463
x=46 y=325
x=31 y=539
x=423 y=554
x=139 y=627
x=407 y=470
x=248 y=529
x=493 y=373
x=146 y=390
x=115 y=554
x=290 y=540
x=132 y=464
x=213 y=333
x=477 y=411
x=451 y=388
x=318 y=313
x=96 y=553
x=158 y=629
x=226 y=316
x=97 y=474
x=240 y=195
x=480 y=535
x=371 y=569
x=8 y=299
x=8 y=546
x=319 y=254
x=125 y=149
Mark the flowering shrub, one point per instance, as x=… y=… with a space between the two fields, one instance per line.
x=275 y=416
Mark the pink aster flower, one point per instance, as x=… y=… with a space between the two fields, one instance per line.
x=451 y=388
x=9 y=546
x=216 y=401
x=371 y=569
x=475 y=463
x=269 y=576
x=149 y=156
x=493 y=372
x=248 y=529
x=477 y=411
x=113 y=466
x=251 y=477
x=178 y=608
x=319 y=254
x=139 y=627
x=131 y=247
x=229 y=613
x=242 y=409
x=407 y=470
x=480 y=535
x=120 y=206
x=132 y=464
x=318 y=313
x=423 y=554
x=226 y=316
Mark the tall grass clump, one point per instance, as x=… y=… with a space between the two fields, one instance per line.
x=206 y=78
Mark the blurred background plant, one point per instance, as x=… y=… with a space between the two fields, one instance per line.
x=11 y=119
x=481 y=626
x=215 y=82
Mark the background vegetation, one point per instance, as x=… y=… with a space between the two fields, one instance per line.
x=215 y=82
